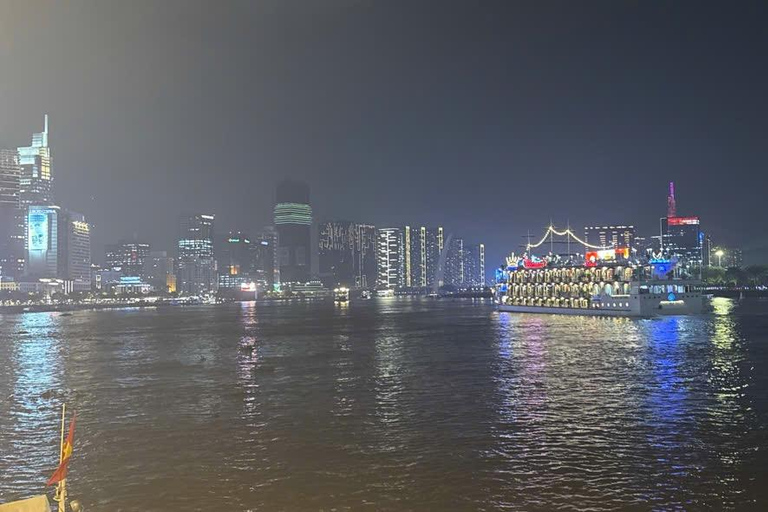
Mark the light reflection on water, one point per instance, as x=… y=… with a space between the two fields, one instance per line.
x=392 y=404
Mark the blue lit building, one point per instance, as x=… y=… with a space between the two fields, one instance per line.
x=58 y=246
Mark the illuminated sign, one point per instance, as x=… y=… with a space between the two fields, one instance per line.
x=529 y=263
x=38 y=231
x=661 y=267
x=683 y=221
x=593 y=257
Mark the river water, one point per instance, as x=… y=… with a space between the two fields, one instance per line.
x=388 y=404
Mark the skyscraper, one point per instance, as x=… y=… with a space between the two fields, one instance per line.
x=160 y=272
x=75 y=264
x=681 y=237
x=59 y=246
x=671 y=204
x=454 y=263
x=293 y=222
x=196 y=267
x=236 y=261
x=390 y=258
x=36 y=183
x=474 y=264
x=422 y=255
x=265 y=270
x=347 y=254
x=11 y=218
x=129 y=256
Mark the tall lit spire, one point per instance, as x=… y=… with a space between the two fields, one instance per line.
x=671 y=207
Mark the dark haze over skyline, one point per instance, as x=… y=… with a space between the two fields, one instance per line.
x=488 y=118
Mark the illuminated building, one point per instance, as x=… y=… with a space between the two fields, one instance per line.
x=616 y=236
x=671 y=203
x=59 y=246
x=408 y=261
x=390 y=258
x=132 y=285
x=36 y=183
x=347 y=254
x=474 y=265
x=11 y=218
x=266 y=273
x=76 y=245
x=128 y=256
x=422 y=255
x=454 y=263
x=159 y=271
x=43 y=241
x=196 y=267
x=237 y=257
x=236 y=263
x=293 y=222
x=681 y=237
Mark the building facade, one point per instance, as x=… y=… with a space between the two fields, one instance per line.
x=455 y=264
x=423 y=246
x=160 y=272
x=36 y=183
x=129 y=256
x=681 y=238
x=76 y=250
x=59 y=246
x=347 y=254
x=236 y=263
x=390 y=258
x=11 y=218
x=474 y=265
x=266 y=272
x=293 y=222
x=196 y=266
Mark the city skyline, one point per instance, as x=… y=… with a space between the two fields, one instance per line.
x=433 y=148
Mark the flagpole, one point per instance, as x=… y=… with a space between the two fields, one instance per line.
x=62 y=487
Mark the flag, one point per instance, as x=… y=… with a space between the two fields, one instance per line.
x=66 y=454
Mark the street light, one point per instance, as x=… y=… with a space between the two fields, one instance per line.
x=719 y=253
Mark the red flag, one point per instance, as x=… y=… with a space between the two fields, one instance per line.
x=61 y=471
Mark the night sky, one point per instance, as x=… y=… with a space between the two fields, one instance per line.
x=490 y=118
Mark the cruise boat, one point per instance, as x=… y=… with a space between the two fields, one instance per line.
x=603 y=283
x=341 y=294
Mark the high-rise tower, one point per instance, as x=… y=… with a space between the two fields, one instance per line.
x=196 y=266
x=36 y=183
x=671 y=206
x=11 y=218
x=293 y=222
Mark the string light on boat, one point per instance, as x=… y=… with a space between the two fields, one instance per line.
x=552 y=231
